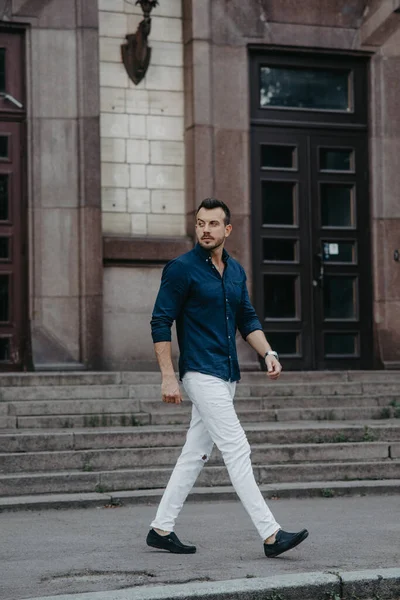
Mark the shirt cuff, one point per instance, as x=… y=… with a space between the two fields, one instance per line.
x=161 y=335
x=254 y=326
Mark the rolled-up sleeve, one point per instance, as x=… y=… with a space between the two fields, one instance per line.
x=171 y=296
x=247 y=320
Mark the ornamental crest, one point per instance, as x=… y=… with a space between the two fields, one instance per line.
x=136 y=52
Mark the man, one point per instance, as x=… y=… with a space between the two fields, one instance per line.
x=205 y=292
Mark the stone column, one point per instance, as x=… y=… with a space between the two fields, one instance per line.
x=64 y=189
x=385 y=176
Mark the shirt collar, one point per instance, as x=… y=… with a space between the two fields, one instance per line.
x=205 y=254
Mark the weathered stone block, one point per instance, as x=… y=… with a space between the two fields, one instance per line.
x=165 y=128
x=137 y=102
x=113 y=199
x=165 y=177
x=168 y=202
x=138 y=201
x=112 y=100
x=164 y=78
x=137 y=176
x=116 y=223
x=113 y=150
x=168 y=225
x=113 y=24
x=167 y=153
x=166 y=103
x=114 y=125
x=139 y=224
x=138 y=151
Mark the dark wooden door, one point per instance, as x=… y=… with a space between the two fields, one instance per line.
x=311 y=246
x=13 y=235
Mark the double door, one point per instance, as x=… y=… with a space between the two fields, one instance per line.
x=311 y=246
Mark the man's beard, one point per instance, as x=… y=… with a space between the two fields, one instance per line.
x=216 y=243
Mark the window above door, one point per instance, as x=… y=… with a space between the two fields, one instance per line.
x=305 y=87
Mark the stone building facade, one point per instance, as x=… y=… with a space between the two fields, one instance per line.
x=261 y=104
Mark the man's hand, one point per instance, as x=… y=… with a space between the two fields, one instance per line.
x=274 y=367
x=170 y=390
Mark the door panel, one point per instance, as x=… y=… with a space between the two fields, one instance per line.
x=13 y=276
x=283 y=289
x=11 y=250
x=311 y=226
x=341 y=250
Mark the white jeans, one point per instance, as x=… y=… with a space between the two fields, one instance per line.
x=214 y=421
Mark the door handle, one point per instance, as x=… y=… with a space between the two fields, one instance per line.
x=11 y=98
x=319 y=280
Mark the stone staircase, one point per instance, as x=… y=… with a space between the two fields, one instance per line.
x=77 y=438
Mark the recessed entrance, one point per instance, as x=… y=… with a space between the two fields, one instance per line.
x=311 y=238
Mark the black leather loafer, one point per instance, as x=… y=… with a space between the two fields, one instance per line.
x=169 y=542
x=284 y=541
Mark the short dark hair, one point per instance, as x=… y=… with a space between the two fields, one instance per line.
x=210 y=203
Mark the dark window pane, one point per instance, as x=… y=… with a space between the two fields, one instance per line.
x=337 y=205
x=278 y=157
x=4 y=212
x=3 y=146
x=4 y=248
x=336 y=160
x=322 y=89
x=341 y=343
x=4 y=349
x=4 y=297
x=279 y=250
x=284 y=342
x=340 y=297
x=340 y=252
x=2 y=69
x=280 y=296
x=278 y=203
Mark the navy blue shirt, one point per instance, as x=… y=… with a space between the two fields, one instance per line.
x=208 y=309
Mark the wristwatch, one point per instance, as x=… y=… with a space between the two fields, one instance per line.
x=273 y=353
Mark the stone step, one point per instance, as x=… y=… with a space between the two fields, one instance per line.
x=159 y=436
x=70 y=378
x=81 y=378
x=312 y=489
x=100 y=406
x=251 y=403
x=290 y=414
x=152 y=391
x=320 y=376
x=67 y=392
x=150 y=478
x=128 y=458
x=72 y=421
x=181 y=416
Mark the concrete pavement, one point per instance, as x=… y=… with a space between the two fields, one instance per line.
x=75 y=551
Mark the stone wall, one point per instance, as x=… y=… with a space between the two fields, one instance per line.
x=142 y=148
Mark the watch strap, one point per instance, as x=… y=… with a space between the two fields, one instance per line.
x=271 y=352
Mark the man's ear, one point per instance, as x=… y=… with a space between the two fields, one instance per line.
x=228 y=230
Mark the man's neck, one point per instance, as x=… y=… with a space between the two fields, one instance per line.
x=216 y=255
